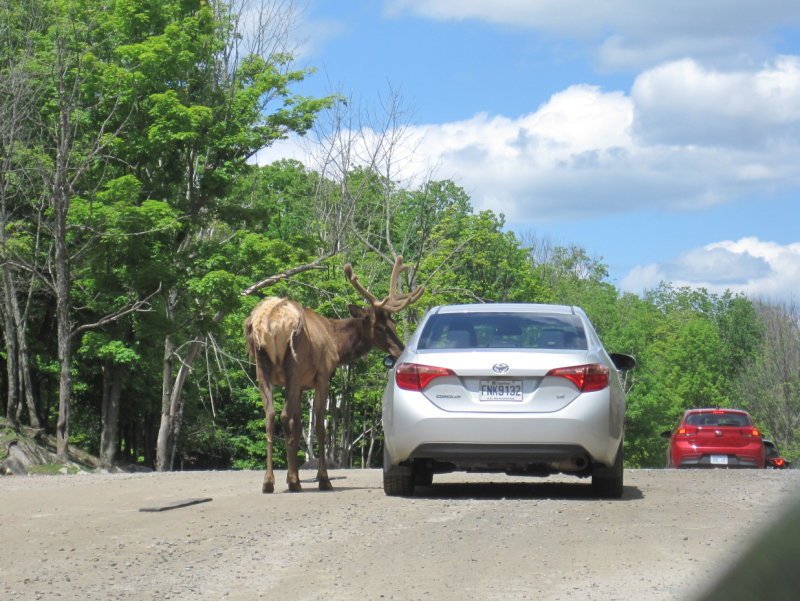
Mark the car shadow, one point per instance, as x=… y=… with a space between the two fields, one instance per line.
x=519 y=490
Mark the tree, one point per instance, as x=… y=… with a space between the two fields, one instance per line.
x=80 y=117
x=770 y=385
x=209 y=94
x=474 y=260
x=20 y=93
x=564 y=269
x=125 y=242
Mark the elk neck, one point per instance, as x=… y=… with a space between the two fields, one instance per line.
x=353 y=338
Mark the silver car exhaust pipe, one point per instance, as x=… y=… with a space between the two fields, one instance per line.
x=573 y=464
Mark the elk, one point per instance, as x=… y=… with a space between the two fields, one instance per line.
x=296 y=348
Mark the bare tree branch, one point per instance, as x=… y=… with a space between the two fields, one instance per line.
x=315 y=264
x=135 y=307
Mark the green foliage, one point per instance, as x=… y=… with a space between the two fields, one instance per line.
x=115 y=351
x=7 y=437
x=685 y=363
x=474 y=260
x=769 y=386
x=53 y=469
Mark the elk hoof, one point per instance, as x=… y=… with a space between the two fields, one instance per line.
x=325 y=484
x=295 y=486
x=267 y=487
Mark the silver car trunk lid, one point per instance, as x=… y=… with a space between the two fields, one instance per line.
x=501 y=381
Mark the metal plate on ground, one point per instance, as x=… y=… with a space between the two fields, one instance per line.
x=175 y=504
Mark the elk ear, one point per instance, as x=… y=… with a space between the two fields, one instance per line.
x=356 y=311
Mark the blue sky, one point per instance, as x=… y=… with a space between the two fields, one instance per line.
x=662 y=137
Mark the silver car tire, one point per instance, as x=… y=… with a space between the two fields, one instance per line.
x=607 y=482
x=398 y=480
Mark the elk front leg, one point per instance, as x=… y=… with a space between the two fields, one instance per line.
x=290 y=418
x=320 y=403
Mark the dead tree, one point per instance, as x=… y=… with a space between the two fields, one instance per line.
x=299 y=349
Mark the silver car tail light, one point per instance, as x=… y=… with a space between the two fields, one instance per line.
x=587 y=378
x=413 y=376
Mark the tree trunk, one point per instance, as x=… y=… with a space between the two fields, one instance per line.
x=331 y=424
x=25 y=372
x=60 y=201
x=64 y=360
x=375 y=424
x=172 y=404
x=9 y=331
x=109 y=432
x=165 y=429
x=11 y=367
x=64 y=330
x=308 y=435
x=346 y=449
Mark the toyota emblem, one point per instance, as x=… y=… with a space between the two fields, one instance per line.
x=499 y=368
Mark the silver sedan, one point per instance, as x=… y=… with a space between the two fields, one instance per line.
x=514 y=388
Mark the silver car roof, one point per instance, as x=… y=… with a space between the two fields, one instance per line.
x=506 y=308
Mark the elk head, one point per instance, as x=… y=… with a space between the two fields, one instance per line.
x=380 y=327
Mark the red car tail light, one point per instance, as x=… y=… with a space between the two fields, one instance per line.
x=413 y=376
x=751 y=433
x=685 y=431
x=587 y=378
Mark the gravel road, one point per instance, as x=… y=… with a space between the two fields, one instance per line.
x=469 y=537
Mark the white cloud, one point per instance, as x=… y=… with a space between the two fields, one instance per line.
x=759 y=269
x=644 y=33
x=685 y=103
x=686 y=138
x=310 y=36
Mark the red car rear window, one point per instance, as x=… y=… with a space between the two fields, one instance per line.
x=718 y=418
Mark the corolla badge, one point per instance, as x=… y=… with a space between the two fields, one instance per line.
x=499 y=368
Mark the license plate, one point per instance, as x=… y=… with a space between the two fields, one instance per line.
x=501 y=390
x=719 y=460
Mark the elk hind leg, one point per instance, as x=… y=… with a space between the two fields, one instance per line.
x=262 y=371
x=320 y=402
x=290 y=418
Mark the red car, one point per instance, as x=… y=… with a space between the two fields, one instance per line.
x=715 y=438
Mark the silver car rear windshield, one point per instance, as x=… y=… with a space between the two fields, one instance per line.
x=503 y=330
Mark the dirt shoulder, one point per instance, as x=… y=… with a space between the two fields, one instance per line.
x=467 y=537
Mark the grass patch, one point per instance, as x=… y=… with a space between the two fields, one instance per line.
x=7 y=436
x=53 y=469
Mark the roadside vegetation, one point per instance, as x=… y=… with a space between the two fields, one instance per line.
x=136 y=234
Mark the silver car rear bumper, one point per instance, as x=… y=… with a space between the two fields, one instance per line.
x=415 y=428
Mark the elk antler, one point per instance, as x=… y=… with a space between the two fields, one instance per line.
x=395 y=301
